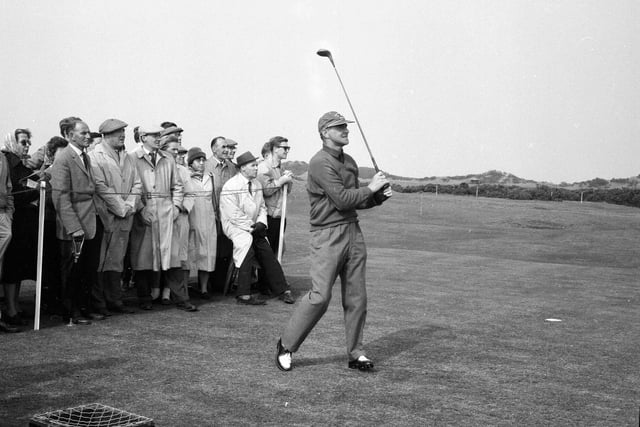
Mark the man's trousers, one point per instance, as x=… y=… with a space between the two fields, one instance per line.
x=335 y=251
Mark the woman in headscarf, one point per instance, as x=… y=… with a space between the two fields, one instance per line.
x=21 y=256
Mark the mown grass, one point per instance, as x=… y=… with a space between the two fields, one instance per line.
x=459 y=290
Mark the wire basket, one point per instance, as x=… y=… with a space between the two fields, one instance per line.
x=91 y=415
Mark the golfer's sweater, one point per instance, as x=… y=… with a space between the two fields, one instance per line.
x=334 y=190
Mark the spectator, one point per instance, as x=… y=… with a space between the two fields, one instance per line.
x=178 y=274
x=51 y=289
x=202 y=233
x=6 y=217
x=21 y=255
x=273 y=180
x=222 y=169
x=118 y=187
x=151 y=234
x=244 y=218
x=78 y=230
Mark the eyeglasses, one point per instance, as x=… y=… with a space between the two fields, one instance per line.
x=284 y=148
x=25 y=142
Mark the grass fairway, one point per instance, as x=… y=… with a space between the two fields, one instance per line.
x=459 y=290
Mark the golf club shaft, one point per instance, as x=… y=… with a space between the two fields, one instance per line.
x=375 y=165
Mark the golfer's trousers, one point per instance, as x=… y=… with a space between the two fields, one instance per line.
x=336 y=251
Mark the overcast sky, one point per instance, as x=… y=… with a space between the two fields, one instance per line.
x=547 y=90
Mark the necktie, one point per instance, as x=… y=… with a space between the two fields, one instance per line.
x=153 y=157
x=85 y=160
x=250 y=188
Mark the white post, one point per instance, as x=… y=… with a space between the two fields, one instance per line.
x=436 y=189
x=581 y=194
x=43 y=190
x=421 y=193
x=283 y=215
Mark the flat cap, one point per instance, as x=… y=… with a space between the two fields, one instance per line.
x=111 y=125
x=171 y=130
x=331 y=119
x=150 y=129
x=230 y=142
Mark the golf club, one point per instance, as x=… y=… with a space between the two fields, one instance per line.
x=327 y=54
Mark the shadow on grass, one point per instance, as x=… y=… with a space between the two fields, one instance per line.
x=385 y=347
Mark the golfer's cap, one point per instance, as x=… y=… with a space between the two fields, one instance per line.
x=111 y=125
x=150 y=130
x=331 y=119
x=230 y=143
x=245 y=158
x=171 y=130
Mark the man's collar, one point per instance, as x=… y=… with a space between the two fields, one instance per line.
x=77 y=150
x=338 y=154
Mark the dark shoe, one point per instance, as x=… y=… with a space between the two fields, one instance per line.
x=4 y=327
x=104 y=312
x=80 y=321
x=121 y=309
x=94 y=316
x=187 y=306
x=361 y=363
x=13 y=320
x=146 y=306
x=283 y=357
x=287 y=298
x=166 y=301
x=205 y=295
x=250 y=301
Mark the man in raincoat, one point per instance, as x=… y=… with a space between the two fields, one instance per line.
x=162 y=196
x=118 y=186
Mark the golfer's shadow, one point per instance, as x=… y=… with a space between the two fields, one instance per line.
x=385 y=347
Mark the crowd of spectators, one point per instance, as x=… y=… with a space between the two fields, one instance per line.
x=149 y=219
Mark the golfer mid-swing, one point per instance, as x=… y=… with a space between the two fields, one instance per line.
x=337 y=244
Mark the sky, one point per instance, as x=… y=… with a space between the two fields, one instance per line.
x=546 y=90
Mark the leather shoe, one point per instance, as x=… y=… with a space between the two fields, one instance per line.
x=80 y=321
x=121 y=309
x=94 y=316
x=104 y=312
x=287 y=298
x=362 y=363
x=250 y=301
x=187 y=306
x=146 y=306
x=166 y=301
x=13 y=320
x=4 y=327
x=283 y=357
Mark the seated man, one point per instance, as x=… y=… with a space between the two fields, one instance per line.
x=244 y=221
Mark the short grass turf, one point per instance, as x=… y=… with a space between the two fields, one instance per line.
x=459 y=289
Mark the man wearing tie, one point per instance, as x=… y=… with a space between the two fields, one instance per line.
x=77 y=230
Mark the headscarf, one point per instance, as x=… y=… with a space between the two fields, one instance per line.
x=11 y=145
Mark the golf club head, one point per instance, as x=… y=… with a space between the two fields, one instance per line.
x=326 y=53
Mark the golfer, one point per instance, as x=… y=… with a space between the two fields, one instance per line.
x=337 y=244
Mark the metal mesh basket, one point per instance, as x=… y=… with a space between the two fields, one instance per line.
x=91 y=415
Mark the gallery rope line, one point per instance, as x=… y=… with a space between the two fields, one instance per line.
x=147 y=195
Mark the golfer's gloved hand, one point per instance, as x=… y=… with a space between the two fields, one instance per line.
x=380 y=196
x=259 y=229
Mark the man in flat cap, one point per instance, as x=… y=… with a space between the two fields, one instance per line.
x=118 y=186
x=78 y=229
x=222 y=169
x=244 y=221
x=171 y=130
x=177 y=276
x=337 y=244
x=161 y=201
